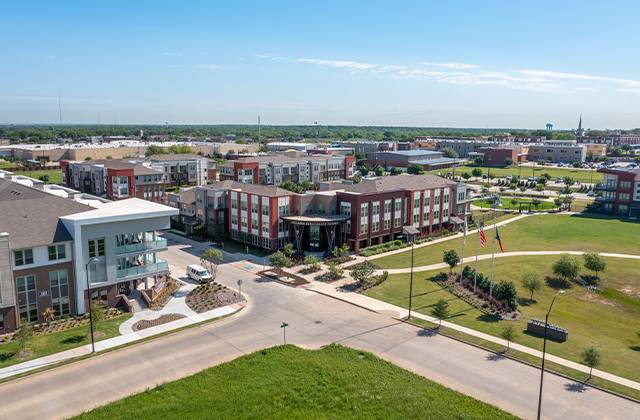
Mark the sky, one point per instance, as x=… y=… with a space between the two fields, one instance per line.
x=496 y=64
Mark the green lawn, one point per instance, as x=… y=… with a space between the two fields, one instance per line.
x=45 y=345
x=287 y=382
x=562 y=232
x=583 y=175
x=235 y=247
x=507 y=203
x=608 y=321
x=55 y=176
x=4 y=164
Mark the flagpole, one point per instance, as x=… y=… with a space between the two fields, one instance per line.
x=493 y=252
x=464 y=240
x=477 y=244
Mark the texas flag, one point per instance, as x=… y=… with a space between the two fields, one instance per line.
x=498 y=238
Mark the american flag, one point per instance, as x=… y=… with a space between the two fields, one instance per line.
x=483 y=239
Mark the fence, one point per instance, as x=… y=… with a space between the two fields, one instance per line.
x=31 y=168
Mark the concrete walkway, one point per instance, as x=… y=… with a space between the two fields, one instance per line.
x=502 y=255
x=393 y=311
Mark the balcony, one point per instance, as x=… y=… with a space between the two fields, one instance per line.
x=608 y=186
x=605 y=199
x=142 y=246
x=144 y=270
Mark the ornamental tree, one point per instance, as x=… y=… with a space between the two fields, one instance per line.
x=566 y=267
x=594 y=261
x=451 y=258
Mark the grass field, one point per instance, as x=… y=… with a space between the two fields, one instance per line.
x=45 y=345
x=287 y=382
x=4 y=164
x=55 y=176
x=507 y=203
x=583 y=175
x=607 y=320
x=549 y=232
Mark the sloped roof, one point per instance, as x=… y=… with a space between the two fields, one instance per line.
x=32 y=217
x=390 y=183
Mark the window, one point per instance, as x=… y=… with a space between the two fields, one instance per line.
x=625 y=185
x=348 y=226
x=624 y=197
x=387 y=224
x=243 y=205
x=96 y=248
x=322 y=209
x=345 y=209
x=254 y=224
x=445 y=213
x=234 y=203
x=100 y=296
x=24 y=257
x=59 y=292
x=27 y=305
x=265 y=227
x=254 y=208
x=436 y=200
x=436 y=215
x=1 y=321
x=387 y=206
x=375 y=226
x=397 y=222
x=364 y=228
x=376 y=208
x=234 y=220
x=221 y=201
x=416 y=203
x=446 y=199
x=244 y=222
x=416 y=218
x=265 y=210
x=199 y=198
x=56 y=252
x=307 y=208
x=623 y=208
x=364 y=210
x=97 y=272
x=398 y=205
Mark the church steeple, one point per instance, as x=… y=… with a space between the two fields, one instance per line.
x=580 y=123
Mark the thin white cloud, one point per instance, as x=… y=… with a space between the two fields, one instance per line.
x=557 y=75
x=341 y=64
x=451 y=65
x=172 y=53
x=636 y=91
x=208 y=66
x=262 y=56
x=275 y=58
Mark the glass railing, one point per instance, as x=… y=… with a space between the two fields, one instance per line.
x=160 y=265
x=142 y=246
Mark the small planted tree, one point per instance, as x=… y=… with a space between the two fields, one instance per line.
x=508 y=162
x=335 y=270
x=591 y=358
x=362 y=272
x=532 y=281
x=220 y=233
x=593 y=261
x=536 y=202
x=466 y=175
x=379 y=170
x=440 y=310
x=566 y=267
x=311 y=261
x=477 y=172
x=509 y=334
x=279 y=260
x=199 y=228
x=451 y=258
x=97 y=315
x=24 y=334
x=209 y=260
x=48 y=316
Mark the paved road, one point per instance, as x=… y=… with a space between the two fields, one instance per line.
x=314 y=320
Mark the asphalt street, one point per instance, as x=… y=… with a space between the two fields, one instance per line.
x=314 y=320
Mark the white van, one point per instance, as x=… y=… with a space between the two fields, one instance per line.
x=197 y=273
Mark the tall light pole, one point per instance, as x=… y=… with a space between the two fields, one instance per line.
x=411 y=282
x=544 y=348
x=94 y=259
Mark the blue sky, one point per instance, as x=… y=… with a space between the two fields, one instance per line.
x=427 y=63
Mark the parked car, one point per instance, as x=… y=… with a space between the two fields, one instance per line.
x=560 y=165
x=485 y=176
x=197 y=273
x=590 y=193
x=532 y=178
x=509 y=177
x=560 y=180
x=449 y=173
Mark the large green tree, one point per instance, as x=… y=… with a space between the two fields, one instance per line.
x=451 y=258
x=448 y=152
x=415 y=169
x=593 y=261
x=566 y=267
x=155 y=150
x=532 y=281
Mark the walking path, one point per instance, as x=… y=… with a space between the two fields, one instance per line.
x=393 y=311
x=502 y=255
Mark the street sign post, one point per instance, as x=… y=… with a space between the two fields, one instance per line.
x=284 y=329
x=240 y=287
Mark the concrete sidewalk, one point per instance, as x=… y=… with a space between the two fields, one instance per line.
x=393 y=311
x=501 y=255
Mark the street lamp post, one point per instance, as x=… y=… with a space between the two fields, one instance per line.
x=93 y=344
x=411 y=281
x=544 y=348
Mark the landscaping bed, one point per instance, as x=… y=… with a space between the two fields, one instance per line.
x=370 y=283
x=339 y=260
x=283 y=277
x=210 y=296
x=162 y=319
x=165 y=295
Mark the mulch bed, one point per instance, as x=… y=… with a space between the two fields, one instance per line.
x=165 y=295
x=211 y=296
x=283 y=277
x=25 y=354
x=340 y=260
x=375 y=267
x=162 y=319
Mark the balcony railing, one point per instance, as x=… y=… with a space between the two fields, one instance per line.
x=604 y=199
x=143 y=269
x=609 y=186
x=142 y=246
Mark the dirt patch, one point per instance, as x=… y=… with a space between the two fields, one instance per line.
x=511 y=316
x=631 y=291
x=507 y=351
x=25 y=354
x=98 y=334
x=592 y=297
x=162 y=319
x=591 y=379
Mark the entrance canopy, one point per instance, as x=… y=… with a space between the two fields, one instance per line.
x=315 y=219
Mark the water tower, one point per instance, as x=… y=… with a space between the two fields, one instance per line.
x=549 y=127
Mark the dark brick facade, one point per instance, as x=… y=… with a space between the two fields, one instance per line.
x=8 y=320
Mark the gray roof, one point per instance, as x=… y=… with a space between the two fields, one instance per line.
x=181 y=156
x=32 y=217
x=187 y=197
x=390 y=183
x=266 y=190
x=122 y=164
